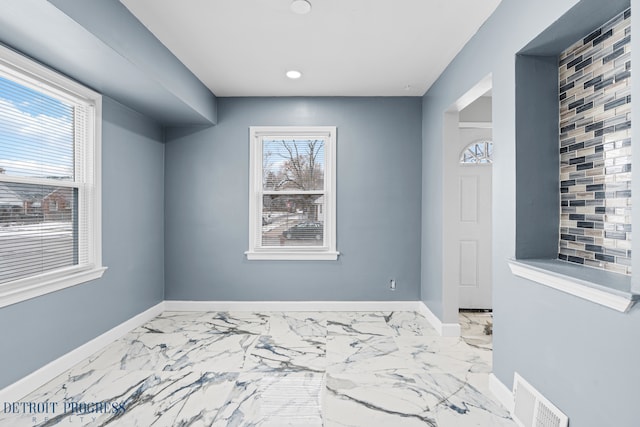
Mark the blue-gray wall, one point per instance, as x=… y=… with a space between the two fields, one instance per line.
x=378 y=204
x=580 y=355
x=538 y=178
x=37 y=331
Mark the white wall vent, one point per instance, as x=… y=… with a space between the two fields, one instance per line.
x=531 y=409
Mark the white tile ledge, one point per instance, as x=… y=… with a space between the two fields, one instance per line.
x=601 y=287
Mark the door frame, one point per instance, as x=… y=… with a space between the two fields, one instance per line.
x=450 y=160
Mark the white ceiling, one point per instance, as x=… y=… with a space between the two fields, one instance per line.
x=342 y=47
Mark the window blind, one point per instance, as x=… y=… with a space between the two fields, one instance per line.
x=43 y=225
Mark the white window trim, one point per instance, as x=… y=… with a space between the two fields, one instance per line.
x=327 y=252
x=39 y=76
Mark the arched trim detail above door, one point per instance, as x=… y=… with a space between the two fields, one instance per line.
x=478 y=152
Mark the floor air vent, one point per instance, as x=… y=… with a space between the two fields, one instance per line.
x=531 y=409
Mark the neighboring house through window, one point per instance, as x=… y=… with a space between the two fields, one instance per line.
x=49 y=180
x=292 y=206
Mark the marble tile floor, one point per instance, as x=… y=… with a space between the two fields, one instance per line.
x=276 y=369
x=474 y=328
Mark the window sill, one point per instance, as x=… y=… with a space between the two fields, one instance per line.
x=23 y=290
x=611 y=290
x=293 y=256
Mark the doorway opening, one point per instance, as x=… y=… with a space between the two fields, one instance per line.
x=467 y=231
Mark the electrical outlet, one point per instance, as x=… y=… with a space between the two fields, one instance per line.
x=392 y=284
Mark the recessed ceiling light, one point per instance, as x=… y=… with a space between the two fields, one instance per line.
x=300 y=7
x=294 y=74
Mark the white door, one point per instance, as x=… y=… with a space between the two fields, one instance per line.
x=474 y=221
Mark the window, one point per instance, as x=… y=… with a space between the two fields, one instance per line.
x=478 y=152
x=292 y=207
x=49 y=180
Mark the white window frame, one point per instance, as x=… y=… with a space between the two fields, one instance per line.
x=256 y=250
x=29 y=73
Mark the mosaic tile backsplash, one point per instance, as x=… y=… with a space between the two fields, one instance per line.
x=595 y=148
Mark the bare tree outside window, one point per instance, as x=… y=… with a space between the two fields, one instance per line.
x=293 y=165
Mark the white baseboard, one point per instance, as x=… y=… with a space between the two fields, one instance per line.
x=36 y=379
x=501 y=392
x=444 y=329
x=292 y=305
x=450 y=330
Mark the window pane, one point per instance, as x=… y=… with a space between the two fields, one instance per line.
x=293 y=164
x=36 y=133
x=293 y=220
x=37 y=232
x=478 y=152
